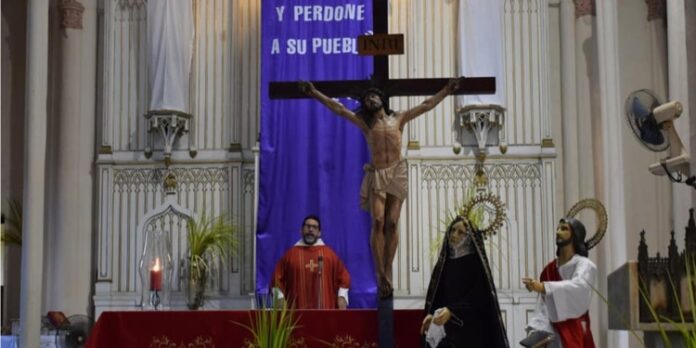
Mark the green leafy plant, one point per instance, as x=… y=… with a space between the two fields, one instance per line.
x=272 y=327
x=438 y=239
x=12 y=230
x=209 y=239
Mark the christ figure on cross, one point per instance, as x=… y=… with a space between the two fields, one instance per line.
x=385 y=185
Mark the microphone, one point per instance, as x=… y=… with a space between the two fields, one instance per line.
x=321 y=264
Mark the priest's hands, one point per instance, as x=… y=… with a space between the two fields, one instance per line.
x=534 y=285
x=342 y=304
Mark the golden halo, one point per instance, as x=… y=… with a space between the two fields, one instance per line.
x=481 y=199
x=602 y=219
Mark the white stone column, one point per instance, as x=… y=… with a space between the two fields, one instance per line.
x=70 y=217
x=690 y=139
x=587 y=131
x=586 y=94
x=34 y=173
x=571 y=170
x=612 y=251
x=678 y=87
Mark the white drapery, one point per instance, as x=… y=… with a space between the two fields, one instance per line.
x=170 y=34
x=481 y=47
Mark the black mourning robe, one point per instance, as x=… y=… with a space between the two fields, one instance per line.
x=465 y=286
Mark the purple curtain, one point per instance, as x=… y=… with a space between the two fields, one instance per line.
x=311 y=160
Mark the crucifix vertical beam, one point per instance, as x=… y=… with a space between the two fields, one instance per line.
x=380 y=25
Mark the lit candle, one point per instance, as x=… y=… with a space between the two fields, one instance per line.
x=156 y=276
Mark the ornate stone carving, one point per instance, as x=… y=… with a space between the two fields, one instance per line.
x=70 y=14
x=657 y=9
x=142 y=179
x=249 y=181
x=504 y=173
x=585 y=8
x=131 y=4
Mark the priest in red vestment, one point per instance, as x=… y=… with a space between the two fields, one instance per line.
x=565 y=289
x=310 y=275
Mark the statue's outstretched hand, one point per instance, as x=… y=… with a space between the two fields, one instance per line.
x=533 y=285
x=453 y=84
x=306 y=87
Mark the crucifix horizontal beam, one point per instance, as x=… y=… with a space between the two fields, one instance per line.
x=393 y=87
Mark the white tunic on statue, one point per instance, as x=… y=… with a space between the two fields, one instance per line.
x=565 y=299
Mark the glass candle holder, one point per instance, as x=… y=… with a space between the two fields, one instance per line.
x=156 y=270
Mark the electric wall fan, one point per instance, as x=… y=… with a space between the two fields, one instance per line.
x=73 y=331
x=653 y=124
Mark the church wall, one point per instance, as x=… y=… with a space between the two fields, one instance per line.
x=636 y=199
x=246 y=74
x=656 y=210
x=678 y=87
x=13 y=69
x=554 y=95
x=219 y=179
x=690 y=142
x=224 y=78
x=430 y=51
x=642 y=49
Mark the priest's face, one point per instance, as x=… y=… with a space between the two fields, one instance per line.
x=310 y=231
x=458 y=233
x=564 y=234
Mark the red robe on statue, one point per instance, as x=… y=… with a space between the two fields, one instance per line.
x=574 y=333
x=304 y=272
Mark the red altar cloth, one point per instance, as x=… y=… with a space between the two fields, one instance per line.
x=217 y=329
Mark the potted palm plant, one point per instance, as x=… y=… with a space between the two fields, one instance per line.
x=272 y=327
x=209 y=239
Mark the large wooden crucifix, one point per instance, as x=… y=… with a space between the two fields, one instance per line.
x=390 y=205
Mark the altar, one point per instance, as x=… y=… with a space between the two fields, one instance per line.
x=208 y=329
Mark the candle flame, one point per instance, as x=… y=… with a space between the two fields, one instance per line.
x=157 y=266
